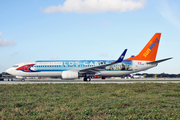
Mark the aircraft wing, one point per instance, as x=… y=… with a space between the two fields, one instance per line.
x=101 y=67
x=158 y=61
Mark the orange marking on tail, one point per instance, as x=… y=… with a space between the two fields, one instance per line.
x=149 y=52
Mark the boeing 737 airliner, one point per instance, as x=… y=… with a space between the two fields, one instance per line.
x=73 y=69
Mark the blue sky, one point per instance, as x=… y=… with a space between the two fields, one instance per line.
x=88 y=29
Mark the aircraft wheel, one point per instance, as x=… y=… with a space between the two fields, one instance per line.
x=103 y=77
x=23 y=80
x=89 y=78
x=85 y=79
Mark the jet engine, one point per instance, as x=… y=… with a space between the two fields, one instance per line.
x=69 y=75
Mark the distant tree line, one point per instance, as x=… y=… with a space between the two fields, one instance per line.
x=162 y=75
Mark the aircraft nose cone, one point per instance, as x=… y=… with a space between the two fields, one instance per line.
x=9 y=71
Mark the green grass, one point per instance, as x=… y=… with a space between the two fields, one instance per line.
x=90 y=101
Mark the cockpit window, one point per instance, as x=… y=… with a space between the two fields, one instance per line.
x=15 y=66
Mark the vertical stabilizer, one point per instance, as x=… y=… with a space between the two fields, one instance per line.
x=149 y=52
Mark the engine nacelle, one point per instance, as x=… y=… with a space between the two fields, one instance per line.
x=69 y=75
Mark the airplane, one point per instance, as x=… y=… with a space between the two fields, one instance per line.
x=135 y=76
x=74 y=69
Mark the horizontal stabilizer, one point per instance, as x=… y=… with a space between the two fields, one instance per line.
x=158 y=61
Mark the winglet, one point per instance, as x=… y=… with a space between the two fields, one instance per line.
x=121 y=58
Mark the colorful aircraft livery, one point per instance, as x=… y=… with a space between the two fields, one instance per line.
x=148 y=51
x=74 y=69
x=26 y=68
x=64 y=65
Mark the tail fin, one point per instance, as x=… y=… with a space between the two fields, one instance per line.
x=149 y=52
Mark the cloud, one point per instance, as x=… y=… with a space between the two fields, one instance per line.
x=14 y=54
x=168 y=13
x=4 y=42
x=106 y=24
x=54 y=58
x=88 y=23
x=96 y=6
x=104 y=55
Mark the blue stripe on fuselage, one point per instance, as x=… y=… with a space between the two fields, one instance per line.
x=64 y=65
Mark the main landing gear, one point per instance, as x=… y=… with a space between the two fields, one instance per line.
x=23 y=79
x=87 y=79
x=103 y=77
x=10 y=79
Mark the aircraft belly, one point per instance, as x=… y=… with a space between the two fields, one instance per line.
x=42 y=74
x=115 y=73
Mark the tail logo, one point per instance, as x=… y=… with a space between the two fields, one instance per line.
x=149 y=50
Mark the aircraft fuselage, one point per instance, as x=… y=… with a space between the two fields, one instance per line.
x=54 y=68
